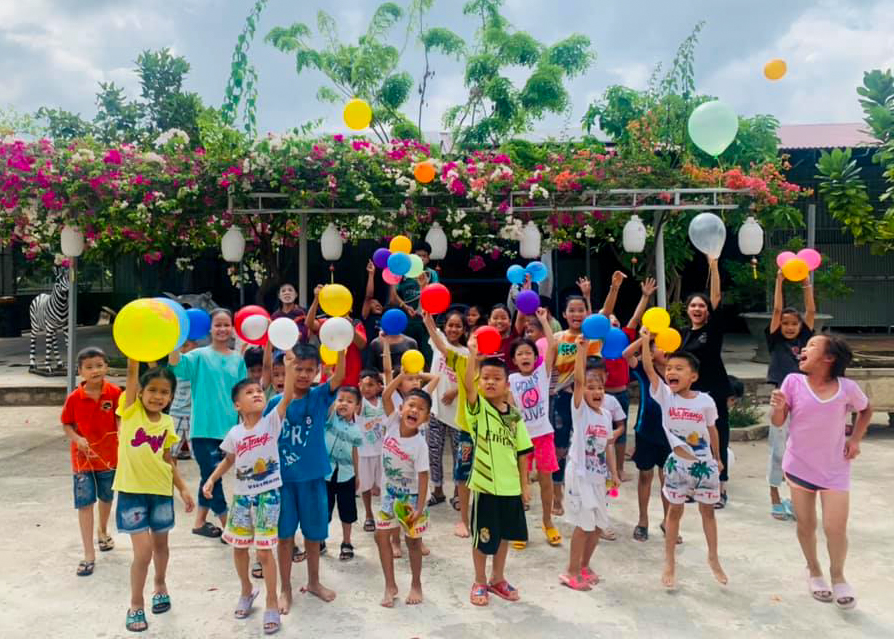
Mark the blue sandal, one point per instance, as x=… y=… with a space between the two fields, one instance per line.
x=161 y=602
x=136 y=621
x=778 y=512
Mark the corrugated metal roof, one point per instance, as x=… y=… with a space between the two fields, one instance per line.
x=823 y=136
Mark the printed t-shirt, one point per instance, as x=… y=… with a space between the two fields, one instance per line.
x=302 y=448
x=784 y=353
x=371 y=423
x=456 y=361
x=353 y=357
x=341 y=439
x=499 y=441
x=617 y=370
x=449 y=381
x=817 y=431
x=94 y=421
x=566 y=352
x=531 y=394
x=212 y=375
x=403 y=458
x=648 y=414
x=141 y=447
x=706 y=343
x=613 y=407
x=257 y=455
x=592 y=430
x=686 y=421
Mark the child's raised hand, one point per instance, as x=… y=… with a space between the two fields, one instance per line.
x=618 y=278
x=526 y=285
x=581 y=341
x=542 y=314
x=473 y=345
x=777 y=399
x=645 y=333
x=317 y=289
x=649 y=286
x=583 y=283
x=370 y=267
x=288 y=358
x=188 y=500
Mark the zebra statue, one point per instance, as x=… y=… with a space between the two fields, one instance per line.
x=49 y=314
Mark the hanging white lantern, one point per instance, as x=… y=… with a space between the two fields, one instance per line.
x=634 y=236
x=437 y=239
x=72 y=240
x=751 y=240
x=232 y=245
x=331 y=243
x=529 y=245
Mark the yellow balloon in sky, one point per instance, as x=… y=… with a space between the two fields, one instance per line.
x=775 y=69
x=358 y=114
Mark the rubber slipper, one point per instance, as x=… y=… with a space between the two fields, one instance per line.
x=347 y=552
x=479 y=595
x=720 y=505
x=298 y=555
x=641 y=533
x=161 y=602
x=591 y=577
x=257 y=571
x=243 y=606
x=519 y=545
x=789 y=509
x=504 y=590
x=136 y=618
x=323 y=550
x=207 y=530
x=845 y=596
x=105 y=543
x=85 y=568
x=664 y=532
x=553 y=537
x=575 y=582
x=369 y=525
x=819 y=589
x=779 y=512
x=434 y=500
x=454 y=501
x=272 y=622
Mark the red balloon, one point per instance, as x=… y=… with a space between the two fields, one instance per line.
x=489 y=340
x=435 y=298
x=248 y=311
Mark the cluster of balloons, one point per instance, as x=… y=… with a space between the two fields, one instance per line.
x=658 y=320
x=796 y=267
x=527 y=301
x=708 y=234
x=147 y=329
x=614 y=340
x=397 y=261
x=713 y=126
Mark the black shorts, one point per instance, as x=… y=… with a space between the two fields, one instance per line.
x=649 y=454
x=496 y=519
x=343 y=493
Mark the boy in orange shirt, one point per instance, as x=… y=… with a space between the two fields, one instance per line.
x=88 y=419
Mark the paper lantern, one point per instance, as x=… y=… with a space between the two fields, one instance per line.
x=437 y=239
x=529 y=244
x=72 y=240
x=634 y=236
x=331 y=243
x=232 y=245
x=751 y=237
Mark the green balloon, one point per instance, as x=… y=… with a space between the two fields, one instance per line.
x=713 y=127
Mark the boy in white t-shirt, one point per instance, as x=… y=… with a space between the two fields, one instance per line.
x=693 y=468
x=251 y=446
x=369 y=455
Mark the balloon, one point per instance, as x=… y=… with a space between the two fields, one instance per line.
x=399 y=264
x=708 y=234
x=713 y=127
x=337 y=333
x=336 y=300
x=400 y=244
x=380 y=257
x=254 y=327
x=656 y=320
x=489 y=340
x=537 y=271
x=596 y=326
x=199 y=324
x=412 y=362
x=329 y=356
x=357 y=114
x=283 y=333
x=668 y=340
x=416 y=266
x=542 y=346
x=615 y=343
x=244 y=312
x=515 y=274
x=784 y=257
x=775 y=69
x=424 y=172
x=146 y=330
x=390 y=278
x=257 y=327
x=394 y=321
x=434 y=298
x=182 y=319
x=811 y=257
x=795 y=270
x=527 y=302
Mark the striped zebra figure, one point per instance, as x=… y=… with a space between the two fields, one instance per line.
x=49 y=314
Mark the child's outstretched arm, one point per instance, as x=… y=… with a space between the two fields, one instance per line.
x=267 y=365
x=388 y=394
x=648 y=364
x=437 y=339
x=185 y=495
x=132 y=386
x=370 y=293
x=608 y=307
x=648 y=288
x=778 y=303
x=338 y=376
x=432 y=380
x=519 y=316
x=630 y=352
x=809 y=305
x=386 y=359
x=471 y=373
x=543 y=317
x=716 y=294
x=225 y=465
x=311 y=320
x=288 y=391
x=580 y=369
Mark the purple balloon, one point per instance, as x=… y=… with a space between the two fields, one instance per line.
x=527 y=302
x=380 y=257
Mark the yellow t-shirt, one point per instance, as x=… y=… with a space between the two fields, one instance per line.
x=458 y=362
x=141 y=446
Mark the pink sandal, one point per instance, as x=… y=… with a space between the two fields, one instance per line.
x=576 y=582
x=589 y=576
x=478 y=596
x=504 y=590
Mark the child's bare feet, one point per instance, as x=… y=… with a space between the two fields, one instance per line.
x=395 y=550
x=460 y=530
x=389 y=597
x=719 y=575
x=285 y=601
x=320 y=591
x=415 y=596
x=667 y=577
x=425 y=550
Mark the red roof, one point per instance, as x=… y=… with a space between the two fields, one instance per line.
x=823 y=136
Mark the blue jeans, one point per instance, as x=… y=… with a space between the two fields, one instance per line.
x=93 y=484
x=208 y=455
x=137 y=512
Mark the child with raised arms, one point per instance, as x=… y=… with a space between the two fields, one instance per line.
x=342 y=439
x=369 y=453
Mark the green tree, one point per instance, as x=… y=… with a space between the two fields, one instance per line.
x=436 y=39
x=117 y=119
x=242 y=83
x=62 y=125
x=165 y=103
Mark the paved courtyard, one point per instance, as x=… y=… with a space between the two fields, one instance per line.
x=40 y=596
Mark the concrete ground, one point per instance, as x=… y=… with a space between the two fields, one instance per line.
x=40 y=596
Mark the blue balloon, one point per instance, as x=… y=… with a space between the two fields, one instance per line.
x=399 y=263
x=537 y=271
x=394 y=321
x=182 y=319
x=199 y=324
x=596 y=326
x=516 y=274
x=615 y=343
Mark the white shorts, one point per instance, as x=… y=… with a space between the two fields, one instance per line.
x=369 y=472
x=586 y=506
x=699 y=479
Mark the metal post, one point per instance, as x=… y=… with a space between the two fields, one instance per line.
x=302 y=263
x=660 y=275
x=72 y=320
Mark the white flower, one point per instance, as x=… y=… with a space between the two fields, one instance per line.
x=149 y=156
x=176 y=135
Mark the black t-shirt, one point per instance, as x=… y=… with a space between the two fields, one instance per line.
x=375 y=352
x=648 y=414
x=706 y=343
x=784 y=353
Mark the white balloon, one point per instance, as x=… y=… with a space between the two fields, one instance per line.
x=254 y=326
x=708 y=234
x=337 y=333
x=283 y=333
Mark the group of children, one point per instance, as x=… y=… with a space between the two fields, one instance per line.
x=304 y=441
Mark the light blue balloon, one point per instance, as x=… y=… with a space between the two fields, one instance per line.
x=615 y=343
x=182 y=319
x=537 y=271
x=713 y=127
x=399 y=264
x=515 y=274
x=596 y=326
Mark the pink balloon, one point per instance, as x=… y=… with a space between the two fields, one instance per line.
x=812 y=257
x=784 y=257
x=541 y=350
x=389 y=277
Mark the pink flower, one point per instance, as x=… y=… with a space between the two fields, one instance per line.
x=152 y=257
x=495 y=254
x=112 y=157
x=476 y=263
x=338 y=137
x=140 y=180
x=565 y=247
x=457 y=187
x=502 y=159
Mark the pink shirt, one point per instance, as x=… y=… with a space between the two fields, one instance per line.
x=816 y=431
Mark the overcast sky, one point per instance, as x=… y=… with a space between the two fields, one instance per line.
x=54 y=52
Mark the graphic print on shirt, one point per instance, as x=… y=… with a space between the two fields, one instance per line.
x=395 y=474
x=595 y=440
x=373 y=429
x=262 y=468
x=155 y=441
x=698 y=443
x=296 y=434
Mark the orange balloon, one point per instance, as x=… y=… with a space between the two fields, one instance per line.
x=795 y=270
x=775 y=69
x=424 y=172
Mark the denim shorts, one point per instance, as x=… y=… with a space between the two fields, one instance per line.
x=137 y=512
x=92 y=485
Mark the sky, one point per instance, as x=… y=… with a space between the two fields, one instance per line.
x=55 y=52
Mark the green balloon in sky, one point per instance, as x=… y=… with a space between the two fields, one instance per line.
x=713 y=127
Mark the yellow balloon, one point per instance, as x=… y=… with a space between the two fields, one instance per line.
x=146 y=330
x=795 y=270
x=329 y=356
x=412 y=362
x=400 y=244
x=668 y=340
x=656 y=320
x=775 y=69
x=358 y=114
x=336 y=300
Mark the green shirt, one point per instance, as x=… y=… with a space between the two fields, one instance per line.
x=409 y=290
x=457 y=363
x=499 y=441
x=212 y=376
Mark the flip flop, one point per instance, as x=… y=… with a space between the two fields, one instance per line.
x=519 y=545
x=789 y=509
x=504 y=590
x=347 y=552
x=369 y=525
x=479 y=596
x=720 y=505
x=85 y=568
x=576 y=582
x=609 y=535
x=257 y=571
x=272 y=622
x=161 y=602
x=845 y=596
x=298 y=555
x=434 y=500
x=591 y=577
x=664 y=532
x=553 y=537
x=137 y=617
x=106 y=543
x=641 y=533
x=207 y=530
x=454 y=501
x=819 y=589
x=243 y=606
x=779 y=512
